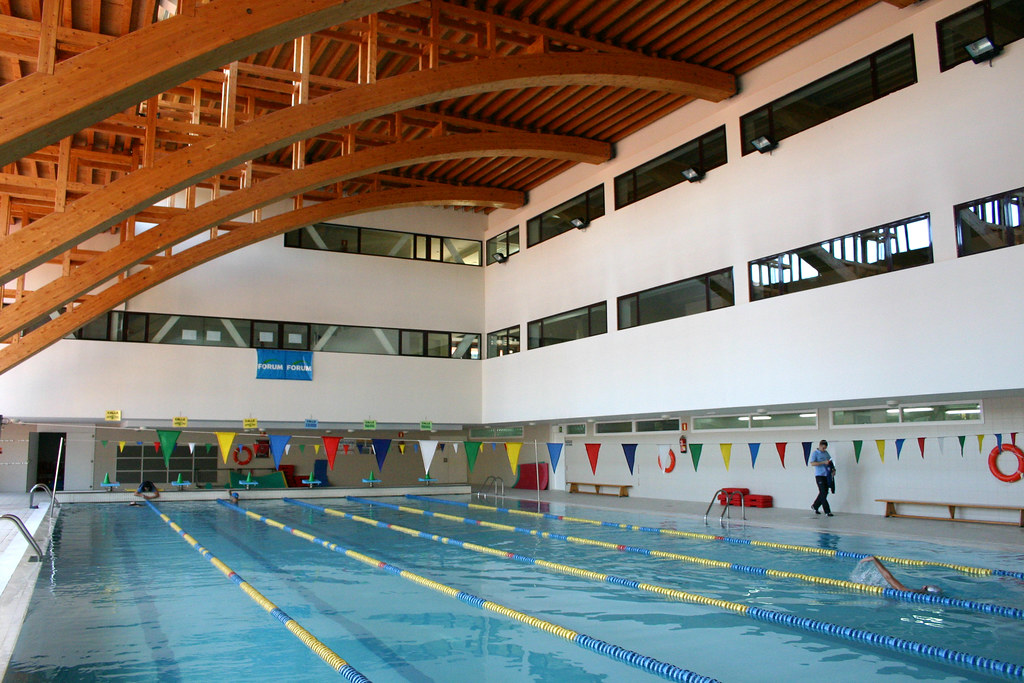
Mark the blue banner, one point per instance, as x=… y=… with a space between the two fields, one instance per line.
x=280 y=364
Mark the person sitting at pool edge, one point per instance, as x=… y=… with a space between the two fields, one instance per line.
x=887 y=575
x=147 y=487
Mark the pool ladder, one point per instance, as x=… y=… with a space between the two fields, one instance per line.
x=725 y=510
x=41 y=487
x=499 y=484
x=24 y=532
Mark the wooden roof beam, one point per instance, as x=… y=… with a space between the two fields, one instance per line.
x=27 y=248
x=169 y=267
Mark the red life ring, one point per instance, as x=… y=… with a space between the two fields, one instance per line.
x=671 y=462
x=238 y=450
x=993 y=464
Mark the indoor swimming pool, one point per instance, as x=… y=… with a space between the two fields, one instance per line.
x=451 y=589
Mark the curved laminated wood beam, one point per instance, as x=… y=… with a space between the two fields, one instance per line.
x=41 y=109
x=54 y=234
x=120 y=258
x=58 y=328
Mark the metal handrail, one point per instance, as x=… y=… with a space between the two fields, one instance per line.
x=495 y=480
x=24 y=532
x=743 y=508
x=41 y=487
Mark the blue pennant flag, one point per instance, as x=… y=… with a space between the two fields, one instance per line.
x=554 y=452
x=629 y=450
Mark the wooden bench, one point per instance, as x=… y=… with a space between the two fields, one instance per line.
x=574 y=487
x=890 y=511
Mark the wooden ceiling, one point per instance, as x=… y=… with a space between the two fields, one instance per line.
x=108 y=107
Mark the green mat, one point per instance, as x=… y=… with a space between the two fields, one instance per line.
x=274 y=480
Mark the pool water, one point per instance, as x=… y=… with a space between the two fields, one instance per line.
x=123 y=597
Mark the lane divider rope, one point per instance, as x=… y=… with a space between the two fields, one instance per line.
x=828 y=552
x=308 y=639
x=892 y=593
x=893 y=643
x=663 y=669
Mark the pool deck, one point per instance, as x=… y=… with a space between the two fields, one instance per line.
x=18 y=570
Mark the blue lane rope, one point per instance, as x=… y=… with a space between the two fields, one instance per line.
x=308 y=639
x=827 y=552
x=654 y=666
x=953 y=657
x=891 y=593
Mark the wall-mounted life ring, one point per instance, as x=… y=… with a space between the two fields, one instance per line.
x=238 y=450
x=993 y=463
x=671 y=462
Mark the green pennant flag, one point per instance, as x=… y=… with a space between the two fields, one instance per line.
x=208 y=447
x=961 y=439
x=302 y=449
x=857 y=445
x=695 y=449
x=104 y=442
x=472 y=450
x=168 y=438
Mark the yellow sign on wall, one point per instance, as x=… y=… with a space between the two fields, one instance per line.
x=113 y=416
x=179 y=422
x=250 y=423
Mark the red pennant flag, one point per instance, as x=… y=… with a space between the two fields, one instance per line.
x=156 y=445
x=345 y=447
x=920 y=444
x=331 y=446
x=592 y=449
x=781 y=448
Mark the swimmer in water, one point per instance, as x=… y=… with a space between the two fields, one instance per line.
x=892 y=580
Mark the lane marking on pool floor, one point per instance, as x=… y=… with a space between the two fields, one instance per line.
x=893 y=643
x=650 y=664
x=892 y=593
x=329 y=657
x=828 y=552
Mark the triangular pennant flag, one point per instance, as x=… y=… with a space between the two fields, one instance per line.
x=920 y=444
x=120 y=446
x=331 y=448
x=981 y=437
x=629 y=450
x=455 y=445
x=287 y=448
x=807 y=451
x=415 y=448
x=999 y=441
x=401 y=447
x=472 y=450
x=513 y=454
x=380 y=450
x=208 y=447
x=494 y=445
x=440 y=447
x=554 y=453
x=277 y=447
x=726 y=453
x=316 y=449
x=880 y=443
x=857 y=446
x=225 y=439
x=104 y=442
x=754 y=448
x=192 y=448
x=592 y=450
x=168 y=438
x=899 y=447
x=781 y=448
x=961 y=439
x=666 y=458
x=427 y=450
x=359 y=447
x=345 y=446
x=695 y=449
x=156 y=446
x=302 y=448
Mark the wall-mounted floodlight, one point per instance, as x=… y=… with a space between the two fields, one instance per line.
x=579 y=223
x=694 y=175
x=764 y=144
x=982 y=50
x=500 y=257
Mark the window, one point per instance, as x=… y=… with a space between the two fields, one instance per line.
x=806 y=418
x=503 y=342
x=989 y=223
x=703 y=154
x=662 y=425
x=882 y=249
x=506 y=244
x=853 y=86
x=143 y=463
x=1002 y=21
x=613 y=427
x=577 y=324
x=376 y=242
x=577 y=429
x=677 y=299
x=582 y=209
x=968 y=411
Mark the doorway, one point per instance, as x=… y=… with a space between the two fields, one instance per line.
x=48 y=450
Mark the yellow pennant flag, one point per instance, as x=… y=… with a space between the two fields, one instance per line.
x=513 y=454
x=401 y=447
x=726 y=453
x=981 y=437
x=316 y=449
x=881 y=448
x=225 y=439
x=120 y=446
